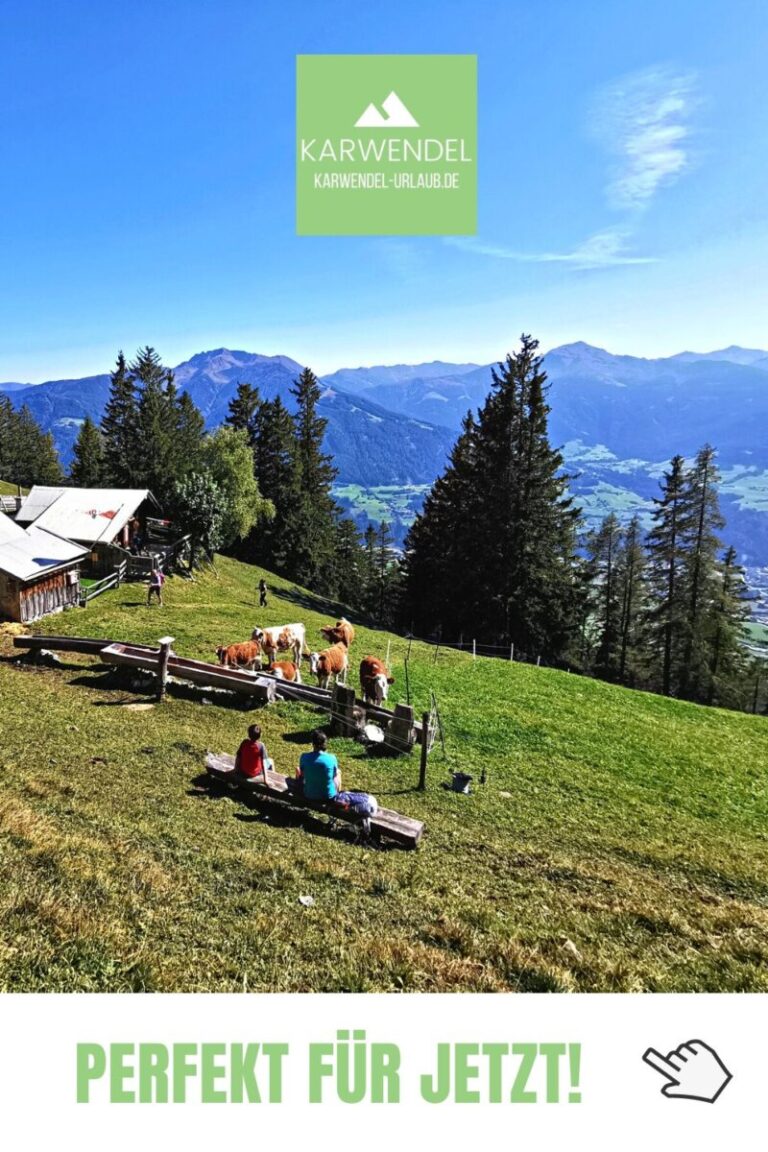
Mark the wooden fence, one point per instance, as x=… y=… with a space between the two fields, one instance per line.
x=113 y=580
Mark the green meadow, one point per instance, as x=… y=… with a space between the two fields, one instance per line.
x=619 y=841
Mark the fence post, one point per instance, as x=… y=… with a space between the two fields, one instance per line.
x=162 y=665
x=425 y=718
x=538 y=661
x=511 y=653
x=461 y=639
x=389 y=646
x=343 y=710
x=400 y=728
x=474 y=649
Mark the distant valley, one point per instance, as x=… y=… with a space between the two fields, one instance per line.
x=390 y=428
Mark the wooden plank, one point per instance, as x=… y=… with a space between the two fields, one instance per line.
x=402 y=829
x=84 y=644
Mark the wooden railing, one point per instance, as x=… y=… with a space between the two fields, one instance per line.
x=112 y=580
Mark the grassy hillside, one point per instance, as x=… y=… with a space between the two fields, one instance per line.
x=619 y=843
x=7 y=489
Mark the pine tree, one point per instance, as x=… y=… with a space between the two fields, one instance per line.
x=704 y=520
x=630 y=575
x=666 y=567
x=312 y=521
x=349 y=564
x=387 y=575
x=441 y=590
x=7 y=419
x=30 y=454
x=87 y=470
x=188 y=437
x=603 y=546
x=119 y=429
x=274 y=456
x=495 y=543
x=726 y=617
x=243 y=409
x=156 y=422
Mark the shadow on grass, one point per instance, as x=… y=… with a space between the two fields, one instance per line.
x=279 y=815
x=110 y=680
x=303 y=737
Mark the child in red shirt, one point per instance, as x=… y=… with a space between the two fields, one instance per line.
x=252 y=757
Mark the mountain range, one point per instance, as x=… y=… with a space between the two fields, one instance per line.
x=619 y=419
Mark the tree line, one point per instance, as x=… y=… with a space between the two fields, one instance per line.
x=27 y=454
x=500 y=553
x=260 y=486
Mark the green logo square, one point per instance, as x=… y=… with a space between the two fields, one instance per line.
x=386 y=145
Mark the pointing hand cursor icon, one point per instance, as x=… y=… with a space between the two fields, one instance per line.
x=694 y=1071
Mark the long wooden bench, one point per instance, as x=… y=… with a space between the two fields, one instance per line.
x=385 y=825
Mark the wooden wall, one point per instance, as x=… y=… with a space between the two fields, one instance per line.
x=28 y=602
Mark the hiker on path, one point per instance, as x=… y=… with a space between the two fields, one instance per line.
x=262 y=593
x=156 y=581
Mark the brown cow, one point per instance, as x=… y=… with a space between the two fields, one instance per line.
x=342 y=631
x=285 y=670
x=332 y=661
x=245 y=655
x=374 y=679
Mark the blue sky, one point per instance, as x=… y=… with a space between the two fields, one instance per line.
x=146 y=188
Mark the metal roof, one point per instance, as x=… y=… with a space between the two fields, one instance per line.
x=90 y=515
x=26 y=553
x=36 y=501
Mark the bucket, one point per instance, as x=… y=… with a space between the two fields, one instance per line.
x=460 y=782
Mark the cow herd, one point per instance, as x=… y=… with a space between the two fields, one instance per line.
x=329 y=663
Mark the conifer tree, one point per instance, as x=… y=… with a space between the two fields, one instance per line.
x=603 y=547
x=387 y=576
x=496 y=540
x=349 y=564
x=87 y=470
x=119 y=429
x=313 y=519
x=633 y=599
x=727 y=615
x=666 y=567
x=243 y=409
x=440 y=585
x=274 y=456
x=156 y=422
x=7 y=419
x=188 y=437
x=703 y=520
x=30 y=454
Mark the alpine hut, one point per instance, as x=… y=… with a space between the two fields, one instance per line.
x=39 y=572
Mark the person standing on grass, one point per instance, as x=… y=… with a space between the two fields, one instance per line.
x=156 y=581
x=252 y=756
x=262 y=593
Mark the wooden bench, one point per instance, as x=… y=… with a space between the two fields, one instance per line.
x=385 y=825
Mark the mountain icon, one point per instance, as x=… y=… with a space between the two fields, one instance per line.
x=397 y=115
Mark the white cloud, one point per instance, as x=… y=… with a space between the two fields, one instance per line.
x=602 y=250
x=643 y=119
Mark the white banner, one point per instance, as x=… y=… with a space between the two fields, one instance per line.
x=584 y=1072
